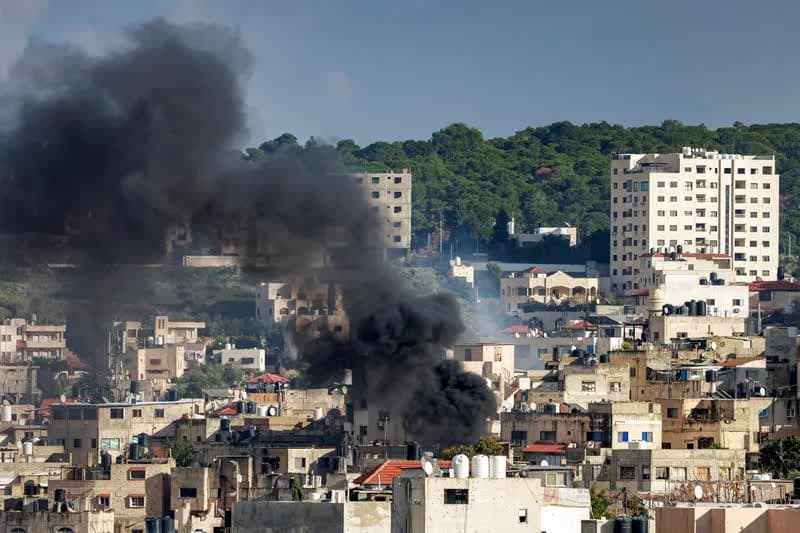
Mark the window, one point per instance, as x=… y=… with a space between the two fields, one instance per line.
x=765 y=186
x=726 y=171
x=136 y=501
x=633 y=372
x=299 y=462
x=753 y=171
x=588 y=386
x=740 y=171
x=94 y=444
x=556 y=479
x=660 y=227
x=397 y=209
x=376 y=180
x=703 y=473
x=645 y=472
x=396 y=224
x=137 y=413
x=188 y=492
x=523 y=513
x=397 y=238
x=662 y=472
x=117 y=413
x=104 y=500
x=158 y=413
x=647 y=436
x=137 y=473
x=673 y=213
x=673 y=184
x=659 y=198
x=456 y=496
x=660 y=213
x=701 y=170
x=155 y=362
x=547 y=436
x=678 y=473
x=622 y=436
x=375 y=194
x=247 y=360
x=627 y=473
x=767 y=171
x=519 y=436
x=616 y=386
x=736 y=301
x=467 y=354
x=77 y=443
x=765 y=214
x=398 y=194
x=109 y=444
x=398 y=179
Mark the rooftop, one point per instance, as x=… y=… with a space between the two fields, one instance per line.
x=267 y=378
x=385 y=472
x=779 y=285
x=546 y=447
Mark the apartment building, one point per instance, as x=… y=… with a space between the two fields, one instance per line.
x=249 y=359
x=390 y=193
x=700 y=200
x=87 y=429
x=21 y=340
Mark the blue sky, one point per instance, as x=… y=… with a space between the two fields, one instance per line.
x=399 y=70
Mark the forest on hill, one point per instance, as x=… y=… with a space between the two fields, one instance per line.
x=545 y=176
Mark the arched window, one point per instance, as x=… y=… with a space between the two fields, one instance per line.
x=18 y=530
x=65 y=530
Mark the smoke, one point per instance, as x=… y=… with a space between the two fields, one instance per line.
x=114 y=150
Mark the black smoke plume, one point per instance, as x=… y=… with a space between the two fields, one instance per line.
x=103 y=154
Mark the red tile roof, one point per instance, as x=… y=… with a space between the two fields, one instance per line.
x=545 y=447
x=385 y=472
x=268 y=378
x=778 y=285
x=225 y=411
x=517 y=329
x=641 y=292
x=44 y=407
x=536 y=270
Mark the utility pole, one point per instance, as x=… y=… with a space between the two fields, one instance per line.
x=440 y=233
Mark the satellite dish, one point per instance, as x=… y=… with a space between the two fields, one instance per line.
x=429 y=466
x=62 y=398
x=344 y=389
x=698 y=492
x=543 y=463
x=773 y=485
x=533 y=406
x=713 y=346
x=6 y=402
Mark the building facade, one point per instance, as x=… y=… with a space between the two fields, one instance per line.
x=390 y=193
x=702 y=201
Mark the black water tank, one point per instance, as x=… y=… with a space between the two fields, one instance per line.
x=667 y=309
x=692 y=308
x=133 y=451
x=120 y=459
x=639 y=524
x=684 y=310
x=167 y=525
x=144 y=440
x=622 y=525
x=702 y=308
x=556 y=357
x=152 y=524
x=60 y=495
x=239 y=407
x=224 y=424
x=796 y=488
x=712 y=277
x=711 y=376
x=555 y=352
x=604 y=358
x=172 y=395
x=250 y=408
x=781 y=272
x=134 y=387
x=105 y=461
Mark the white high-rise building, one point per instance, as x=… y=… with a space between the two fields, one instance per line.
x=701 y=201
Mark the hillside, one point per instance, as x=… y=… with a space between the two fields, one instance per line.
x=550 y=175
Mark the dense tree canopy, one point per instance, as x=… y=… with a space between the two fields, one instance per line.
x=550 y=175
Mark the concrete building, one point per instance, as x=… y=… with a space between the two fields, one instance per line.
x=716 y=518
x=86 y=429
x=463 y=272
x=18 y=382
x=21 y=340
x=537 y=285
x=664 y=329
x=703 y=201
x=174 y=332
x=702 y=277
x=699 y=423
x=773 y=296
x=312 y=517
x=434 y=504
x=671 y=472
x=249 y=359
x=134 y=490
x=390 y=193
x=493 y=361
x=526 y=240
x=99 y=521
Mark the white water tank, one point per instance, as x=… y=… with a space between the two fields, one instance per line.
x=458 y=261
x=272 y=410
x=263 y=410
x=160 y=340
x=27 y=448
x=480 y=466
x=497 y=466
x=461 y=466
x=319 y=414
x=6 y=413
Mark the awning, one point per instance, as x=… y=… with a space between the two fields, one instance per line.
x=104 y=495
x=7 y=480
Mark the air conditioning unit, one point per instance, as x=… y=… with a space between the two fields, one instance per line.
x=736 y=310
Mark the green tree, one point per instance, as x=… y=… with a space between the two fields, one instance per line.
x=601 y=504
x=488 y=446
x=208 y=376
x=448 y=453
x=181 y=450
x=94 y=385
x=495 y=269
x=781 y=456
